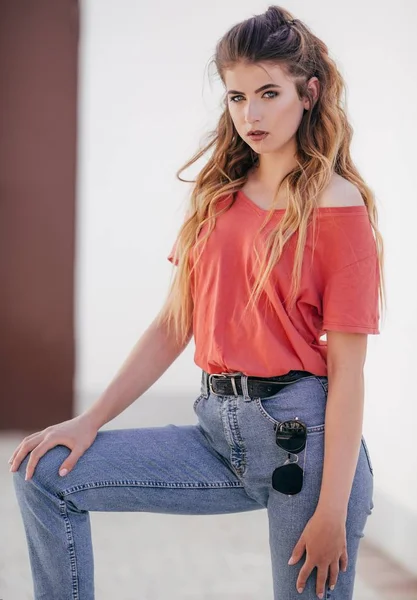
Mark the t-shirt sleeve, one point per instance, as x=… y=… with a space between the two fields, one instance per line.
x=349 y=273
x=350 y=298
x=171 y=255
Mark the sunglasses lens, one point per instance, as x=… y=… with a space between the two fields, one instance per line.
x=288 y=479
x=291 y=436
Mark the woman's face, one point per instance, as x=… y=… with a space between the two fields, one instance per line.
x=275 y=109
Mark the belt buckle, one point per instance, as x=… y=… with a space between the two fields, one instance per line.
x=231 y=375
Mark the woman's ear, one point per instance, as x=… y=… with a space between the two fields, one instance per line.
x=313 y=86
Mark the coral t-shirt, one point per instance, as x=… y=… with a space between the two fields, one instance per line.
x=338 y=291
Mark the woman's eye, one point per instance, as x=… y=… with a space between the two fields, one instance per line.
x=274 y=94
x=233 y=98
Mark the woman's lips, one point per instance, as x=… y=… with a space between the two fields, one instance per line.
x=257 y=137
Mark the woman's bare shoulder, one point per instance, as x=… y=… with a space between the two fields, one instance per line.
x=340 y=192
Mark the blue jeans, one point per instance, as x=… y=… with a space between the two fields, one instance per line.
x=222 y=464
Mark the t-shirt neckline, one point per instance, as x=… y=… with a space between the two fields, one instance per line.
x=359 y=208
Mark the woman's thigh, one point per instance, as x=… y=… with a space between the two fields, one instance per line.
x=169 y=469
x=288 y=515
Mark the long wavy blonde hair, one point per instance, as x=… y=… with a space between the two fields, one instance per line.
x=323 y=140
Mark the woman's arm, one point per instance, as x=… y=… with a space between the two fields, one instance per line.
x=346 y=353
x=150 y=358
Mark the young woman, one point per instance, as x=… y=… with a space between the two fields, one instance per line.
x=279 y=245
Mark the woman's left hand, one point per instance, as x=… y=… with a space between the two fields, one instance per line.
x=324 y=541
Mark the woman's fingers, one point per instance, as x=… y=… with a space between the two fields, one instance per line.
x=37 y=453
x=77 y=434
x=334 y=574
x=26 y=439
x=24 y=447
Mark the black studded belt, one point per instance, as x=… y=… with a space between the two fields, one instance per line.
x=230 y=384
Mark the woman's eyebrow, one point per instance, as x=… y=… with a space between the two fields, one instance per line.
x=264 y=87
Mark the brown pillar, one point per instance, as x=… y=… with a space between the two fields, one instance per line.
x=38 y=101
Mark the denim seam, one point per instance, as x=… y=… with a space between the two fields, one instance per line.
x=324 y=384
x=232 y=434
x=197 y=400
x=73 y=558
x=156 y=484
x=367 y=456
x=239 y=448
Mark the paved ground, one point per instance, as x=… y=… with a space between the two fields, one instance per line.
x=143 y=556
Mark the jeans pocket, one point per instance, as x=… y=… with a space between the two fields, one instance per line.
x=304 y=397
x=368 y=457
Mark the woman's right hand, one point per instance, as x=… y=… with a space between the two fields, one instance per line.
x=77 y=434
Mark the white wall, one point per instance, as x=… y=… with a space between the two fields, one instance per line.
x=145 y=101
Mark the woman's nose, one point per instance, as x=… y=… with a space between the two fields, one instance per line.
x=252 y=116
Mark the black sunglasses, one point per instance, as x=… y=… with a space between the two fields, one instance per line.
x=290 y=436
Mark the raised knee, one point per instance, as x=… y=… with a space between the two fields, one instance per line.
x=46 y=467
